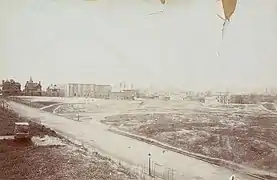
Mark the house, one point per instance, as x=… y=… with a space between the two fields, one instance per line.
x=11 y=88
x=53 y=91
x=32 y=88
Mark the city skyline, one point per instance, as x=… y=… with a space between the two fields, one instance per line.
x=129 y=85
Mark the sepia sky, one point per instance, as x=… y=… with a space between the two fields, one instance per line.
x=108 y=41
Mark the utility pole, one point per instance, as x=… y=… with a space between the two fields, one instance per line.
x=149 y=164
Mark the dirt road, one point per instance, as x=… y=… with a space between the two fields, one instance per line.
x=126 y=149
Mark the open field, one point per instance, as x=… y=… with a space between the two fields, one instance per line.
x=49 y=156
x=248 y=139
x=244 y=134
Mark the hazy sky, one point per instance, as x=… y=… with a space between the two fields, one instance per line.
x=108 y=41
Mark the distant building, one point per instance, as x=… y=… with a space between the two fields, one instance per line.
x=88 y=90
x=53 y=91
x=189 y=93
x=78 y=90
x=123 y=95
x=268 y=98
x=241 y=99
x=223 y=97
x=102 y=91
x=32 y=88
x=252 y=98
x=208 y=94
x=11 y=88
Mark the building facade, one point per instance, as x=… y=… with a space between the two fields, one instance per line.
x=123 y=95
x=11 y=88
x=252 y=98
x=87 y=90
x=102 y=91
x=32 y=88
x=53 y=90
x=223 y=97
x=79 y=90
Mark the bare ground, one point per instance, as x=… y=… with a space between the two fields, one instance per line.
x=26 y=160
x=244 y=138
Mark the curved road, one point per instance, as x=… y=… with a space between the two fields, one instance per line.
x=127 y=150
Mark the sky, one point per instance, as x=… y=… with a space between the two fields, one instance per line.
x=109 y=41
